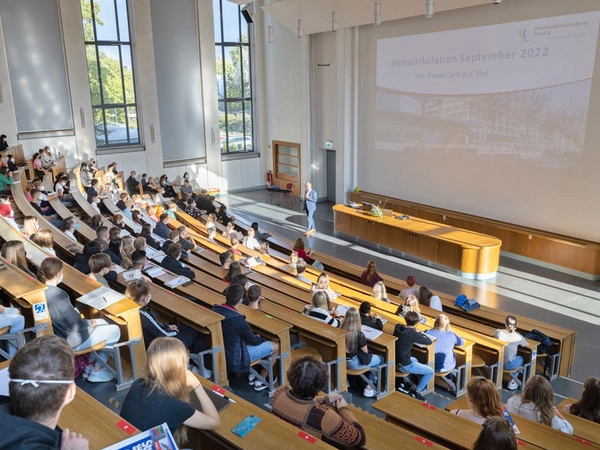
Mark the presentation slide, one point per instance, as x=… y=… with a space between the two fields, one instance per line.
x=508 y=92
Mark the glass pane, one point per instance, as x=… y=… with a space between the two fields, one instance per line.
x=231 y=22
x=233 y=73
x=235 y=130
x=284 y=159
x=92 y=63
x=217 y=20
x=248 y=125
x=133 y=125
x=115 y=125
x=128 y=73
x=245 y=30
x=110 y=71
x=106 y=24
x=285 y=150
x=86 y=15
x=245 y=64
x=123 y=20
x=220 y=80
x=222 y=128
x=99 y=127
x=287 y=170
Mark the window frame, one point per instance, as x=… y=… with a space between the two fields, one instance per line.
x=222 y=45
x=102 y=106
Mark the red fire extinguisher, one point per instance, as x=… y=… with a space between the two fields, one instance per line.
x=269 y=178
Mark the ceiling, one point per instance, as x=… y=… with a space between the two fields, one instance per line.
x=316 y=14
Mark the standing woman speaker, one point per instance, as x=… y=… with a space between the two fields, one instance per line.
x=310 y=205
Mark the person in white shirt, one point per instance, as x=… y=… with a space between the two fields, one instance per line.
x=59 y=188
x=250 y=241
x=537 y=404
x=70 y=225
x=515 y=340
x=411 y=289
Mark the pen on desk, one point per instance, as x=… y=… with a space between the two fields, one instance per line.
x=104 y=298
x=225 y=397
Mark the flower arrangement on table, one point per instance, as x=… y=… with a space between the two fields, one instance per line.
x=376 y=211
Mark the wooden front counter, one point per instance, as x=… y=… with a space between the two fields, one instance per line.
x=469 y=254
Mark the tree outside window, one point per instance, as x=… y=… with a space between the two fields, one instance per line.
x=234 y=84
x=110 y=71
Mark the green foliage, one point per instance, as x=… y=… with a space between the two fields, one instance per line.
x=86 y=14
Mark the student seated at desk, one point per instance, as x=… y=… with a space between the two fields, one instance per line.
x=147 y=234
x=194 y=341
x=114 y=250
x=368 y=319
x=358 y=355
x=408 y=335
x=226 y=259
x=62 y=191
x=250 y=241
x=11 y=317
x=445 y=340
x=254 y=296
x=102 y=237
x=171 y=262
x=411 y=289
x=426 y=298
x=411 y=305
x=41 y=385
x=379 y=292
x=327 y=418
x=300 y=270
x=69 y=227
x=164 y=395
x=242 y=346
x=6 y=180
x=46 y=211
x=300 y=248
x=93 y=190
x=44 y=239
x=96 y=222
x=370 y=276
x=85 y=177
x=323 y=285
x=319 y=310
x=100 y=265
x=515 y=340
x=174 y=238
x=260 y=237
x=496 y=434
x=537 y=404
x=30 y=226
x=14 y=253
x=242 y=280
x=162 y=229
x=588 y=406
x=68 y=324
x=82 y=260
x=484 y=400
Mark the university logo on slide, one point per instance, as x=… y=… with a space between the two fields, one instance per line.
x=523 y=34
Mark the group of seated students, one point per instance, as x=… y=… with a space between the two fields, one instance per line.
x=163 y=394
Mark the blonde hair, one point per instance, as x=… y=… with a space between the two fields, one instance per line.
x=539 y=393
x=14 y=252
x=126 y=252
x=413 y=304
x=138 y=291
x=484 y=398
x=320 y=300
x=167 y=370
x=353 y=326
x=30 y=225
x=442 y=323
x=323 y=282
x=43 y=238
x=379 y=291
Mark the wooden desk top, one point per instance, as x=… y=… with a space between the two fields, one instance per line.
x=465 y=238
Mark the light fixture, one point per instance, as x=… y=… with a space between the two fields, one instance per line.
x=429 y=8
x=377 y=15
x=496 y=2
x=334 y=21
x=299 y=29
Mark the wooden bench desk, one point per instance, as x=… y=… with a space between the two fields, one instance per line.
x=430 y=422
x=583 y=428
x=543 y=435
x=84 y=230
x=271 y=433
x=89 y=211
x=384 y=435
x=172 y=305
x=92 y=419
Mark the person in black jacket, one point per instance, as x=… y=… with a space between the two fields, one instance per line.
x=172 y=264
x=132 y=185
x=162 y=229
x=147 y=234
x=242 y=346
x=368 y=319
x=174 y=238
x=33 y=414
x=122 y=199
x=408 y=335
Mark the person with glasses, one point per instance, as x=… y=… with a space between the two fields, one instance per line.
x=515 y=340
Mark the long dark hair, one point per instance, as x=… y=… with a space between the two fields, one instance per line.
x=425 y=296
x=588 y=406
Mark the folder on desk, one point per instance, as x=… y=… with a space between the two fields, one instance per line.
x=177 y=281
x=100 y=298
x=159 y=437
x=371 y=333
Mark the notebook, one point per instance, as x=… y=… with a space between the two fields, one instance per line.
x=219 y=402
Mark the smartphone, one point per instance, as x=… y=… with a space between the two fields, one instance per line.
x=246 y=425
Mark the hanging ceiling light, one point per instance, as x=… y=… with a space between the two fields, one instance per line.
x=299 y=28
x=429 y=8
x=377 y=15
x=270 y=27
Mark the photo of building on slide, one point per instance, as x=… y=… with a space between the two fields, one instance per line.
x=513 y=92
x=546 y=126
